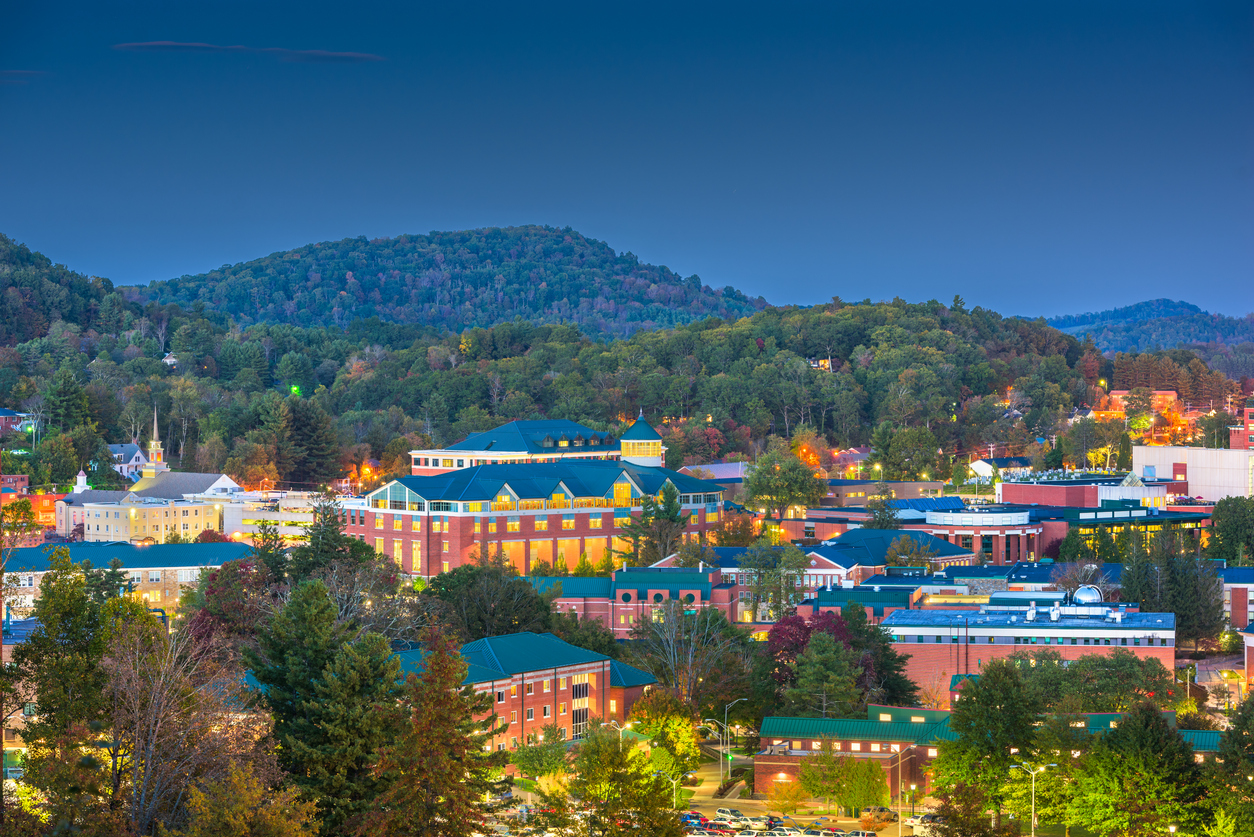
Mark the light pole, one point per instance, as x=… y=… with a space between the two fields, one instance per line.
x=621 y=729
x=675 y=784
x=727 y=733
x=913 y=788
x=721 y=729
x=1033 y=773
x=901 y=756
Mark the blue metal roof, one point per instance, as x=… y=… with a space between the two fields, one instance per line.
x=929 y=504
x=529 y=436
x=1237 y=575
x=540 y=480
x=37 y=559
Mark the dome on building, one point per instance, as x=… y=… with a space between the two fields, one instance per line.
x=1088 y=595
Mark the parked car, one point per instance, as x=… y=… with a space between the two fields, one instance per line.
x=729 y=813
x=920 y=818
x=879 y=812
x=862 y=834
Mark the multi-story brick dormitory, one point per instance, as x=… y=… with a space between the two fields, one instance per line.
x=551 y=512
x=538 y=679
x=903 y=740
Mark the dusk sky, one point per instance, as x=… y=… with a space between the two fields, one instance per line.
x=1036 y=158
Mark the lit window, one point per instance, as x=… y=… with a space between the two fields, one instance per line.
x=415 y=524
x=542 y=524
x=931 y=752
x=856 y=747
x=561 y=709
x=513 y=718
x=378 y=521
x=594 y=521
x=548 y=685
x=397 y=522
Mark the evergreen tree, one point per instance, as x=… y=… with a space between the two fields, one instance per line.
x=66 y=402
x=1139 y=778
x=105 y=584
x=589 y=633
x=1073 y=548
x=442 y=761
x=883 y=678
x=313 y=435
x=659 y=530
x=584 y=568
x=268 y=549
x=325 y=542
x=883 y=512
x=1105 y=550
x=293 y=653
x=1230 y=772
x=346 y=725
x=826 y=684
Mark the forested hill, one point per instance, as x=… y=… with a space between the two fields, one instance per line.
x=34 y=293
x=455 y=281
x=1225 y=343
x=1152 y=309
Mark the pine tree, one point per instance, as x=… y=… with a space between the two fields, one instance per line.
x=347 y=724
x=827 y=681
x=313 y=435
x=268 y=548
x=325 y=542
x=442 y=761
x=105 y=584
x=292 y=653
x=66 y=402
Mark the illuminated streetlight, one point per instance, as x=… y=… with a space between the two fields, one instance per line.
x=1033 y=773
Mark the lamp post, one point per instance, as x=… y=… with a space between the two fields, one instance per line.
x=913 y=788
x=621 y=729
x=727 y=733
x=901 y=756
x=675 y=784
x=721 y=729
x=1033 y=773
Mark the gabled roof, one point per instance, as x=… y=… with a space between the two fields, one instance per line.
x=623 y=676
x=127 y=451
x=37 y=559
x=173 y=485
x=93 y=496
x=521 y=652
x=536 y=480
x=640 y=431
x=529 y=437
x=868 y=547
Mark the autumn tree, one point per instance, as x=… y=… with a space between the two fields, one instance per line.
x=620 y=787
x=779 y=480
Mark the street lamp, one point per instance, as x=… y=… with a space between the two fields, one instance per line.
x=675 y=784
x=1033 y=773
x=726 y=733
x=621 y=729
x=721 y=729
x=913 y=788
x=901 y=756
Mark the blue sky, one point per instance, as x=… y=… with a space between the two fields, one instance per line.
x=1035 y=158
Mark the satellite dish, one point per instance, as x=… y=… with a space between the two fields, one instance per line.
x=1088 y=594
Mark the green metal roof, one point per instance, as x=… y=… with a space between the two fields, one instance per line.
x=906 y=714
x=623 y=676
x=517 y=653
x=1202 y=740
x=640 y=431
x=574 y=587
x=37 y=559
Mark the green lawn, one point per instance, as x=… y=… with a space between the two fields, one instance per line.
x=1058 y=831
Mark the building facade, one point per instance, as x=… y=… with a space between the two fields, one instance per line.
x=537 y=679
x=942 y=643
x=535 y=512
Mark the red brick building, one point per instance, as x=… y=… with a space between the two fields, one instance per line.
x=551 y=512
x=538 y=679
x=944 y=643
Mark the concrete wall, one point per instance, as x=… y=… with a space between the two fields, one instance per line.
x=1212 y=474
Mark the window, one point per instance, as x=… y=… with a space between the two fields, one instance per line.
x=513 y=691
x=931 y=752
x=378 y=521
x=613 y=706
x=542 y=523
x=492 y=525
x=561 y=682
x=445 y=566
x=378 y=545
x=397 y=522
x=154 y=576
x=513 y=717
x=856 y=747
x=445 y=549
x=548 y=710
x=594 y=521
x=531 y=714
x=548 y=685
x=875 y=747
x=512 y=524
x=568 y=521
x=500 y=696
x=415 y=524
x=531 y=688
x=137 y=578
x=478 y=526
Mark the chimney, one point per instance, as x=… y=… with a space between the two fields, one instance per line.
x=624 y=566
x=700 y=566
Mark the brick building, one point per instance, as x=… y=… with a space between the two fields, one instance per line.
x=904 y=741
x=1238 y=604
x=538 y=679
x=551 y=512
x=943 y=643
x=632 y=594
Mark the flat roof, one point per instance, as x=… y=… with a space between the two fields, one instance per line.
x=1002 y=619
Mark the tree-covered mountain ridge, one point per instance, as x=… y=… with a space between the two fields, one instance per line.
x=1225 y=343
x=454 y=281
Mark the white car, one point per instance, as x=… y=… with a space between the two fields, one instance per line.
x=730 y=813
